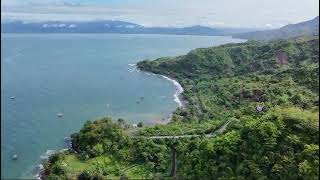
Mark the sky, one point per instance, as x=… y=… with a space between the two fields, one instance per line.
x=214 y=13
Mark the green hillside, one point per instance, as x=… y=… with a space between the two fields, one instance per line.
x=268 y=91
x=234 y=76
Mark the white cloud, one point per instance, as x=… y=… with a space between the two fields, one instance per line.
x=72 y=26
x=268 y=25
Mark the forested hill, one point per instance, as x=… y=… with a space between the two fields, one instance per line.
x=310 y=27
x=268 y=91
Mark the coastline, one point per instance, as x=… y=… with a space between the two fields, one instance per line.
x=178 y=88
x=178 y=92
x=40 y=170
x=177 y=98
x=177 y=95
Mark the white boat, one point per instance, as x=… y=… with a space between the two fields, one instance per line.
x=59 y=114
x=15 y=157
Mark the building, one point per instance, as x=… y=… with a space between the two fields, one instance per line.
x=260 y=108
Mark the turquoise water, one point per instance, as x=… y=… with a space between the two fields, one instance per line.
x=78 y=75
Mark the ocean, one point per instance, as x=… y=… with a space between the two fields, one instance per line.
x=82 y=77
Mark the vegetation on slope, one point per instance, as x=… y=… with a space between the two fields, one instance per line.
x=269 y=92
x=230 y=80
x=102 y=149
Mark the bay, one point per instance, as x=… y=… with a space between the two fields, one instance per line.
x=85 y=77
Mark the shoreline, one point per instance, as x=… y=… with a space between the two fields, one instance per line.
x=178 y=88
x=178 y=92
x=177 y=98
x=39 y=169
x=177 y=95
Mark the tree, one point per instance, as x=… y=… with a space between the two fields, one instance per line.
x=58 y=169
x=85 y=175
x=54 y=177
x=121 y=122
x=140 y=124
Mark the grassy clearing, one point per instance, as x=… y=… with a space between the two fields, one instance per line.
x=108 y=165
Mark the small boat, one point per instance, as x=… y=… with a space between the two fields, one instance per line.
x=12 y=97
x=14 y=157
x=59 y=114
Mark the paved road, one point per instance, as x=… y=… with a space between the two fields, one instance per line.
x=215 y=133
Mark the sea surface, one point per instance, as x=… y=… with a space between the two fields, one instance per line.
x=84 y=77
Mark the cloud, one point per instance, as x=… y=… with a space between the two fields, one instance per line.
x=72 y=26
x=268 y=25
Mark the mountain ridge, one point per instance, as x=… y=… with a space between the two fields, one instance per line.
x=310 y=27
x=110 y=26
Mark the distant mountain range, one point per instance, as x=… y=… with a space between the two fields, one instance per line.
x=112 y=27
x=305 y=28
x=310 y=27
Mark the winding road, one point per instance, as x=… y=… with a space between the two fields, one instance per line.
x=220 y=130
x=213 y=134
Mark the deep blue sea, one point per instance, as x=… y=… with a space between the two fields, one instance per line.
x=84 y=77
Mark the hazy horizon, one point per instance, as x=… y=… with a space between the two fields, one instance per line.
x=164 y=13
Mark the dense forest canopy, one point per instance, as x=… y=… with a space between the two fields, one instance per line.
x=268 y=91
